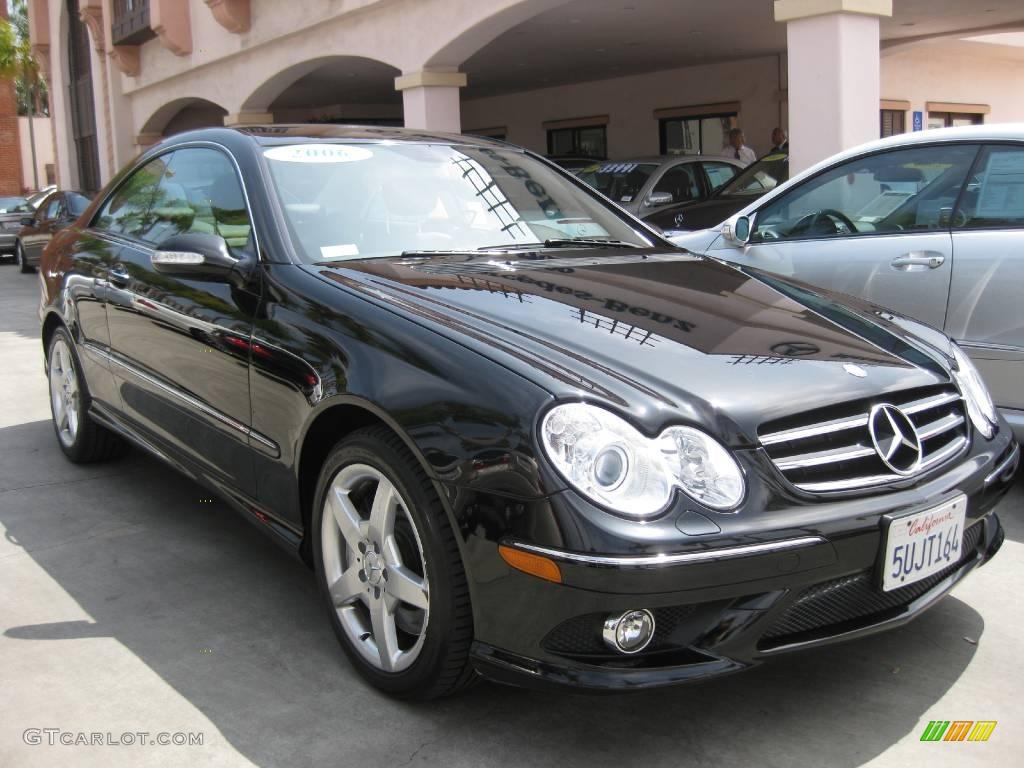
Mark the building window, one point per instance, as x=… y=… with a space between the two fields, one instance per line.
x=894 y=121
x=947 y=114
x=697 y=135
x=579 y=141
x=954 y=119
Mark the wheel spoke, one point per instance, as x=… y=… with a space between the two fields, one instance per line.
x=72 y=419
x=347 y=588
x=382 y=513
x=346 y=517
x=65 y=363
x=407 y=587
x=385 y=634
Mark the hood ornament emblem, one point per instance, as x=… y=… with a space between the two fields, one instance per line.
x=895 y=439
x=854 y=370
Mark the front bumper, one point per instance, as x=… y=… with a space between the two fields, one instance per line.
x=731 y=605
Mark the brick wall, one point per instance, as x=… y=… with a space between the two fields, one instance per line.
x=11 y=182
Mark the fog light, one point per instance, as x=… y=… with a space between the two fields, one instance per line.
x=629 y=632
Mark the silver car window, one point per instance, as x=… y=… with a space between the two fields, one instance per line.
x=905 y=190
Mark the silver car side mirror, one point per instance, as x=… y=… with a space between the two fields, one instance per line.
x=738 y=230
x=658 y=198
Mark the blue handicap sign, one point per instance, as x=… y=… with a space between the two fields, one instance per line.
x=918 y=121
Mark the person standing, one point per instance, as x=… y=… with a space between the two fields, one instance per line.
x=780 y=141
x=738 y=149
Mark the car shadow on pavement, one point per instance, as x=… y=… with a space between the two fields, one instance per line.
x=233 y=624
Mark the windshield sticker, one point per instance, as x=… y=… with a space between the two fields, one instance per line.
x=339 y=251
x=318 y=153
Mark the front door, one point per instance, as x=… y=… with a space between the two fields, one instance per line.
x=181 y=346
x=876 y=227
x=986 y=308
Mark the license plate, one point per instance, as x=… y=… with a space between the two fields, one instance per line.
x=922 y=544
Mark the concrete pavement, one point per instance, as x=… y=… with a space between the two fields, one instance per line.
x=131 y=602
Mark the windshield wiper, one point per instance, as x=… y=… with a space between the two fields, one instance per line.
x=563 y=242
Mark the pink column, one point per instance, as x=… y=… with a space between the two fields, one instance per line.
x=834 y=63
x=431 y=100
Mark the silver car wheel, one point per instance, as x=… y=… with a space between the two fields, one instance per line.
x=65 y=397
x=375 y=567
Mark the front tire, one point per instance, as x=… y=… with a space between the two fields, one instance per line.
x=19 y=257
x=81 y=438
x=389 y=570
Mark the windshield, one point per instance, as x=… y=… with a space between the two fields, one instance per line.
x=77 y=203
x=767 y=173
x=352 y=201
x=620 y=182
x=14 y=205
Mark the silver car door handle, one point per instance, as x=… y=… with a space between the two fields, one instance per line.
x=921 y=259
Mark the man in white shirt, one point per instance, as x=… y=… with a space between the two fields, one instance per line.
x=738 y=148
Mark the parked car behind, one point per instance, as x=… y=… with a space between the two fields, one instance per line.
x=649 y=184
x=54 y=213
x=12 y=211
x=752 y=182
x=514 y=432
x=928 y=224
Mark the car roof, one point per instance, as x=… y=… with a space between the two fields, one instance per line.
x=269 y=135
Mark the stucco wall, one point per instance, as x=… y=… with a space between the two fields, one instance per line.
x=629 y=103
x=967 y=73
x=44 y=149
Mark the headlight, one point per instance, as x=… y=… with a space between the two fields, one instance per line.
x=609 y=461
x=980 y=407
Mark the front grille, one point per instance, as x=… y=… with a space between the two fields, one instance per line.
x=851 y=601
x=830 y=449
x=581 y=636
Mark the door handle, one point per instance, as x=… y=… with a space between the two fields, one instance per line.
x=119 y=276
x=916 y=261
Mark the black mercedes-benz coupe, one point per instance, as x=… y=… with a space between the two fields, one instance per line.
x=514 y=432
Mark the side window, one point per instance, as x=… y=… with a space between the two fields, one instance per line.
x=994 y=196
x=52 y=208
x=681 y=182
x=77 y=203
x=906 y=190
x=719 y=173
x=127 y=211
x=201 y=193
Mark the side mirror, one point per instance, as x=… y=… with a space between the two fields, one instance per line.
x=200 y=256
x=28 y=221
x=658 y=198
x=738 y=230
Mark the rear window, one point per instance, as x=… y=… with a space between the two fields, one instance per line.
x=621 y=182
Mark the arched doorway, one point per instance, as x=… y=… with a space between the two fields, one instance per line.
x=184 y=114
x=332 y=89
x=80 y=101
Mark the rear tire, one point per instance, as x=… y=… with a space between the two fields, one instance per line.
x=389 y=570
x=82 y=439
x=19 y=256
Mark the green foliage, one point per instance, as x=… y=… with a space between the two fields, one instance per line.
x=19 y=64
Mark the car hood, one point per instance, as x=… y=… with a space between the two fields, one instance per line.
x=663 y=335
x=700 y=214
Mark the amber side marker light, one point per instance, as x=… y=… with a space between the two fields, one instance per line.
x=535 y=565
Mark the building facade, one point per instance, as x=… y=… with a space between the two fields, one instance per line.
x=596 y=77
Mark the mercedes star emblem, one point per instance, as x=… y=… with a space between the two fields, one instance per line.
x=895 y=439
x=795 y=349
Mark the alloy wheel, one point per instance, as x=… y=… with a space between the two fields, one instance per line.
x=375 y=567
x=65 y=395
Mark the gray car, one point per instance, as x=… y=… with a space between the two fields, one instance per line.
x=648 y=184
x=12 y=211
x=929 y=224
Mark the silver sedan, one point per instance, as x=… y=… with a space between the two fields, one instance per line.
x=929 y=224
x=648 y=184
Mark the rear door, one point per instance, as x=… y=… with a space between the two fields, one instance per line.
x=986 y=308
x=181 y=346
x=877 y=227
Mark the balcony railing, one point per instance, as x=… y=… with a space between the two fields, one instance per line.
x=131 y=22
